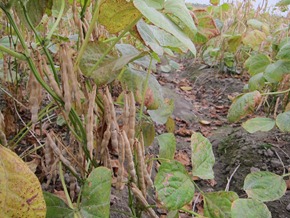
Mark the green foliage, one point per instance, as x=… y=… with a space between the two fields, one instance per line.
x=202 y=157
x=167 y=145
x=173 y=185
x=249 y=208
x=259 y=124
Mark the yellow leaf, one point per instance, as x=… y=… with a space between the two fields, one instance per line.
x=20 y=190
x=204 y=122
x=186 y=88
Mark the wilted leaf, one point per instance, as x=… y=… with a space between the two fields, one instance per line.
x=243 y=105
x=264 y=186
x=170 y=125
x=274 y=72
x=167 y=145
x=20 y=190
x=257 y=82
x=96 y=194
x=117 y=15
x=160 y=20
x=56 y=207
x=234 y=42
x=259 y=124
x=165 y=110
x=283 y=121
x=256 y=24
x=202 y=157
x=218 y=204
x=186 y=88
x=134 y=80
x=257 y=63
x=249 y=208
x=254 y=39
x=148 y=131
x=173 y=185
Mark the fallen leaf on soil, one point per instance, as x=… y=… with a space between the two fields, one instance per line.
x=205 y=122
x=182 y=157
x=61 y=195
x=186 y=88
x=288 y=184
x=33 y=164
x=212 y=182
x=183 y=132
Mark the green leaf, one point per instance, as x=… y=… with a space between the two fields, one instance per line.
x=215 y=2
x=256 y=24
x=173 y=185
x=165 y=110
x=284 y=52
x=20 y=190
x=148 y=37
x=160 y=20
x=148 y=130
x=249 y=208
x=127 y=50
x=179 y=10
x=274 y=72
x=117 y=15
x=96 y=194
x=257 y=63
x=234 y=42
x=134 y=80
x=56 y=207
x=283 y=3
x=202 y=157
x=264 y=186
x=259 y=124
x=283 y=121
x=257 y=82
x=109 y=69
x=244 y=105
x=167 y=145
x=218 y=204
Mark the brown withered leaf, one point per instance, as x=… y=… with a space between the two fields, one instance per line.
x=182 y=157
x=183 y=132
x=288 y=184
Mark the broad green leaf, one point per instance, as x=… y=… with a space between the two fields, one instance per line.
x=134 y=80
x=202 y=157
x=160 y=20
x=249 y=208
x=109 y=69
x=283 y=121
x=167 y=145
x=56 y=207
x=254 y=39
x=218 y=204
x=35 y=10
x=20 y=190
x=274 y=72
x=179 y=10
x=96 y=194
x=165 y=110
x=256 y=24
x=257 y=63
x=173 y=185
x=127 y=50
x=264 y=186
x=215 y=2
x=148 y=130
x=257 y=82
x=148 y=37
x=259 y=124
x=157 y=4
x=244 y=105
x=117 y=15
x=283 y=3
x=284 y=52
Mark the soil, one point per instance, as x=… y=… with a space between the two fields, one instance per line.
x=203 y=107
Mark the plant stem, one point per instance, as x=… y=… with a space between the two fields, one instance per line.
x=285 y=175
x=88 y=35
x=10 y=4
x=57 y=20
x=127 y=29
x=190 y=212
x=13 y=53
x=64 y=186
x=276 y=93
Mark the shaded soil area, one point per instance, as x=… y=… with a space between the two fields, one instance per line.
x=202 y=99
